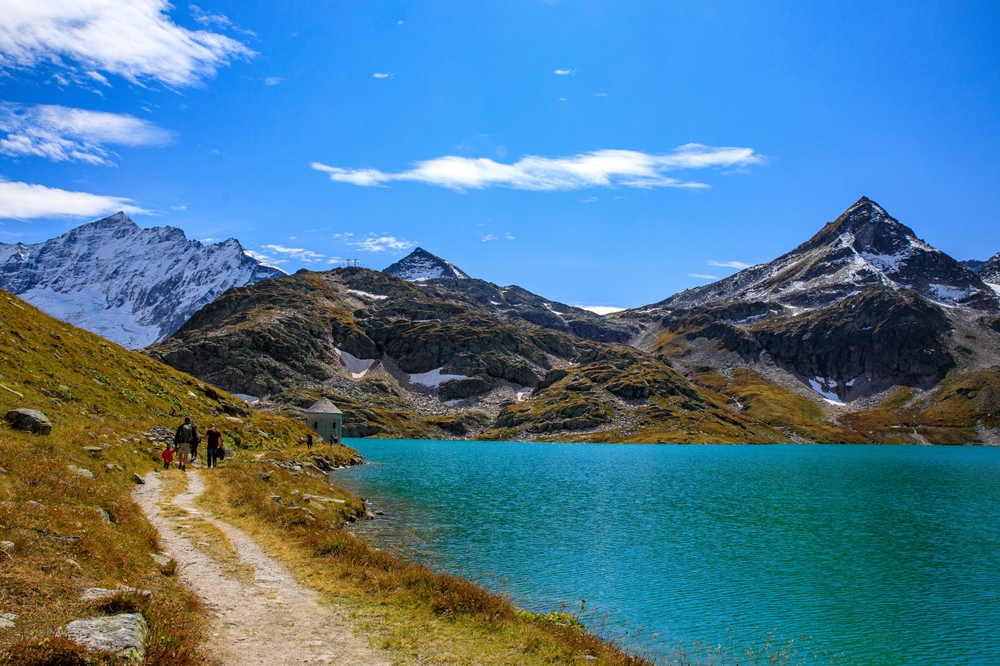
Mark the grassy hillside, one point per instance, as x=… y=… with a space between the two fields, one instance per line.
x=71 y=531
x=65 y=506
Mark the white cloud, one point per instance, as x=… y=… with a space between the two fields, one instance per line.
x=134 y=39
x=399 y=22
x=490 y=237
x=601 y=168
x=600 y=309
x=729 y=264
x=296 y=253
x=565 y=72
x=59 y=133
x=703 y=276
x=335 y=260
x=209 y=240
x=273 y=80
x=206 y=19
x=179 y=208
x=508 y=236
x=589 y=200
x=600 y=94
x=383 y=243
x=25 y=201
x=381 y=75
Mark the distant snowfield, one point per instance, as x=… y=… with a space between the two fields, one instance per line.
x=356 y=366
x=601 y=309
x=88 y=309
x=434 y=378
x=823 y=387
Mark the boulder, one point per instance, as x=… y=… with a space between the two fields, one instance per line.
x=7 y=620
x=29 y=420
x=123 y=635
x=98 y=593
x=81 y=471
x=137 y=478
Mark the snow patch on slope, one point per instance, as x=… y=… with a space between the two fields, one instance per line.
x=356 y=366
x=433 y=378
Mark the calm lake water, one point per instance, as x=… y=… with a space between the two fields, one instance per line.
x=887 y=555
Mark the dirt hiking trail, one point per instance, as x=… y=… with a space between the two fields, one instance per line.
x=269 y=621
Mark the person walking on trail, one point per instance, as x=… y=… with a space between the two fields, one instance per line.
x=168 y=457
x=214 y=444
x=184 y=438
x=309 y=441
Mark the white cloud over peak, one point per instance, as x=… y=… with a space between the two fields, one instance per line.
x=60 y=134
x=134 y=39
x=295 y=253
x=25 y=201
x=383 y=243
x=601 y=168
x=704 y=276
x=729 y=264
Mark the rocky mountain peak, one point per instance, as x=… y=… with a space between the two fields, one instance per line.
x=132 y=285
x=863 y=247
x=990 y=272
x=422 y=265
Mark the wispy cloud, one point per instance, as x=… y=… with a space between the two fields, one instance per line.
x=295 y=253
x=382 y=75
x=601 y=168
x=382 y=243
x=565 y=72
x=703 y=276
x=25 y=201
x=273 y=80
x=729 y=264
x=134 y=39
x=60 y=134
x=600 y=94
x=208 y=19
x=179 y=208
x=495 y=237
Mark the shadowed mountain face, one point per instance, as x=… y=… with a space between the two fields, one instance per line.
x=863 y=247
x=131 y=285
x=509 y=303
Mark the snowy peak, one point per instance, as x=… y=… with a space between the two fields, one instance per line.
x=990 y=272
x=863 y=247
x=131 y=285
x=868 y=229
x=422 y=265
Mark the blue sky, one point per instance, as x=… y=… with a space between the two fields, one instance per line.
x=545 y=144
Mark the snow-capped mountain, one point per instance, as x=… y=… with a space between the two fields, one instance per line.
x=131 y=285
x=863 y=247
x=990 y=272
x=422 y=265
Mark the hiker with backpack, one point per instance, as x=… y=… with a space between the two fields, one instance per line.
x=185 y=439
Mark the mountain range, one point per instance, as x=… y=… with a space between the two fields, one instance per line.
x=130 y=285
x=862 y=333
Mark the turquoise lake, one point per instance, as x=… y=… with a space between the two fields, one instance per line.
x=883 y=554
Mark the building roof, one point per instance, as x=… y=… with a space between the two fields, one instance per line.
x=323 y=406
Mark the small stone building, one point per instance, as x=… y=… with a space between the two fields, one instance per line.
x=324 y=419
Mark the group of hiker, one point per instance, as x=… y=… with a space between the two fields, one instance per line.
x=185 y=446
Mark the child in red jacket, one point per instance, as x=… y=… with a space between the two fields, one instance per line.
x=168 y=457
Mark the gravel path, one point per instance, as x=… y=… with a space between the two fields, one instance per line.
x=271 y=620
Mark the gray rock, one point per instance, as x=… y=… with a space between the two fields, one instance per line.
x=81 y=471
x=123 y=635
x=94 y=450
x=37 y=505
x=97 y=593
x=111 y=467
x=7 y=545
x=138 y=479
x=161 y=560
x=29 y=420
x=7 y=620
